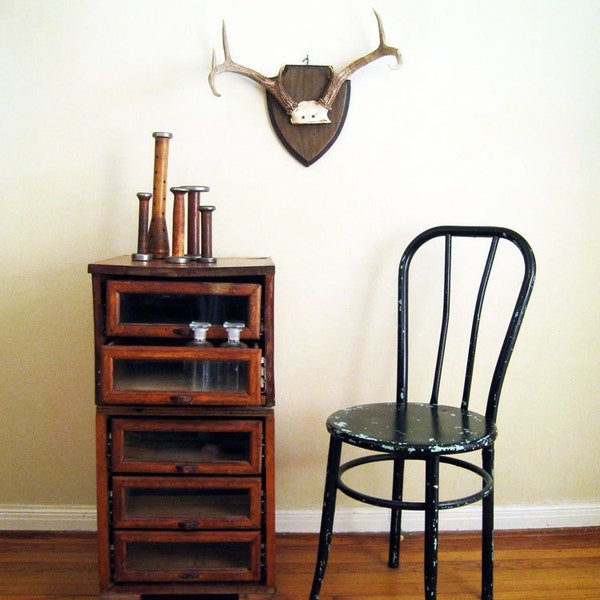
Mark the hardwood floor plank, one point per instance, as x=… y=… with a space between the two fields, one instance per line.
x=538 y=565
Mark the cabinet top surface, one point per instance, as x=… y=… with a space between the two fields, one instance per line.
x=124 y=265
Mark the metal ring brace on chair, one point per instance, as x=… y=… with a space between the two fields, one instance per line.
x=385 y=503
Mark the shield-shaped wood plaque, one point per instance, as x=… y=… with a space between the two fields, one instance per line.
x=307 y=143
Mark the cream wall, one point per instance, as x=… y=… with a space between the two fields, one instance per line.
x=494 y=118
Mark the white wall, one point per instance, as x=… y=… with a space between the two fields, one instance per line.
x=494 y=118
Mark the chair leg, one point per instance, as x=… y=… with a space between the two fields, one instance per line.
x=487 y=532
x=329 y=498
x=432 y=475
x=396 y=521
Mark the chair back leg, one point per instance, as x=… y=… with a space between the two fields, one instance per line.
x=432 y=480
x=327 y=517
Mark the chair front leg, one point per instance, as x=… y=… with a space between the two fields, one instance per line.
x=396 y=521
x=487 y=531
x=432 y=476
x=327 y=517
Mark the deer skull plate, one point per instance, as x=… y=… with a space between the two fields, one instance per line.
x=308 y=144
x=324 y=97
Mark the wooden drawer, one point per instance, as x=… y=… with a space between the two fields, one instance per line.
x=186 y=503
x=160 y=556
x=167 y=375
x=166 y=308
x=186 y=446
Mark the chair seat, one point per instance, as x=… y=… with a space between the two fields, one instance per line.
x=413 y=428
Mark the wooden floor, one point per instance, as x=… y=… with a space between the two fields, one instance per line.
x=530 y=565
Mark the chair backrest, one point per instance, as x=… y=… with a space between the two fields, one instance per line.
x=447 y=237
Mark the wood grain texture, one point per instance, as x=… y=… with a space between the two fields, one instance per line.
x=530 y=565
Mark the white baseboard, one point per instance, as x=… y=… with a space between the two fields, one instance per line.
x=369 y=519
x=41 y=517
x=359 y=519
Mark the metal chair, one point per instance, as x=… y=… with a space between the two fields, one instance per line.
x=432 y=431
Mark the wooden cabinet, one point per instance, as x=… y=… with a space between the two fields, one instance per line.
x=185 y=470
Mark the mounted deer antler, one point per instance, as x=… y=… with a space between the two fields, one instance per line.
x=272 y=84
x=338 y=79
x=304 y=112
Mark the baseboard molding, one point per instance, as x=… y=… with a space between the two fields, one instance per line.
x=359 y=519
x=41 y=517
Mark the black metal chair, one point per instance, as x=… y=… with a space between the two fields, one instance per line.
x=432 y=431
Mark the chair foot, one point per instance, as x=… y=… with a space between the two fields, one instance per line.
x=394 y=555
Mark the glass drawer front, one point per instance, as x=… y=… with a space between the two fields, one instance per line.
x=186 y=503
x=181 y=375
x=194 y=556
x=186 y=446
x=166 y=308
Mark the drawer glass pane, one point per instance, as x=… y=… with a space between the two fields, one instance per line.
x=192 y=446
x=183 y=376
x=143 y=556
x=205 y=504
x=139 y=308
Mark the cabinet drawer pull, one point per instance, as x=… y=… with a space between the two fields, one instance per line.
x=181 y=399
x=187 y=525
x=185 y=468
x=188 y=575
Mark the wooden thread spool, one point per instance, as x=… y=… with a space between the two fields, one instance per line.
x=178 y=226
x=206 y=221
x=193 y=220
x=158 y=235
x=142 y=246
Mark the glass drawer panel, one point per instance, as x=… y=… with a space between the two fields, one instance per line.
x=166 y=308
x=193 y=556
x=181 y=375
x=186 y=446
x=186 y=503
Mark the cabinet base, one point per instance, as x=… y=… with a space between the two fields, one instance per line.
x=189 y=593
x=124 y=596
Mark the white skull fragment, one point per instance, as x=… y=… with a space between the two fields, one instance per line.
x=309 y=112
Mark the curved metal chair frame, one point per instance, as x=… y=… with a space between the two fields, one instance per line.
x=402 y=430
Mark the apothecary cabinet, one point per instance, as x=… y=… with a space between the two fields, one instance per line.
x=185 y=471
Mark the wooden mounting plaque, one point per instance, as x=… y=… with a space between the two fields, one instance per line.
x=307 y=143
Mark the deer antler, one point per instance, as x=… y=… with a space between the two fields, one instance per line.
x=304 y=112
x=272 y=85
x=338 y=79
